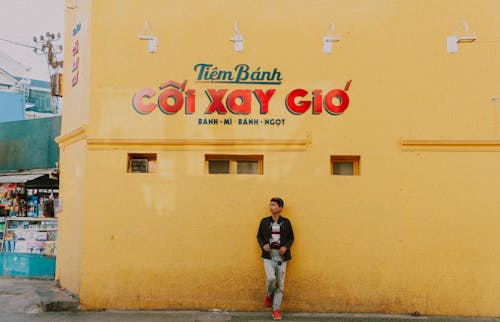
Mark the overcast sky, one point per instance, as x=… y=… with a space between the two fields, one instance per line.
x=20 y=20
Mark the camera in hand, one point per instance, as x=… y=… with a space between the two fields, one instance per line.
x=275 y=245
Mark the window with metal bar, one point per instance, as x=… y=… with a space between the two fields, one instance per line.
x=234 y=164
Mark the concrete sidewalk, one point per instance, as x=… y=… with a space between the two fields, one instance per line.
x=34 y=296
x=203 y=316
x=42 y=300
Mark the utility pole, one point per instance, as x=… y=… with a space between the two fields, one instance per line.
x=47 y=46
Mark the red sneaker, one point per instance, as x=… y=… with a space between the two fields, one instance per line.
x=277 y=315
x=268 y=301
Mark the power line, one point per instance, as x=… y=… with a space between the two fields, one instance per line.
x=17 y=43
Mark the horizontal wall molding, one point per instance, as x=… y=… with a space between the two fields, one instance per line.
x=475 y=145
x=72 y=137
x=198 y=144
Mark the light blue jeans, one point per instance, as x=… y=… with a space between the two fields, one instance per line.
x=275 y=277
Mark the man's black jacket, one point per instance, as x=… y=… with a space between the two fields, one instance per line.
x=286 y=235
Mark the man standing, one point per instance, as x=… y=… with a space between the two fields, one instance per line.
x=275 y=237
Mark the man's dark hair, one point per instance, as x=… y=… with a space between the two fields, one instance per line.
x=279 y=201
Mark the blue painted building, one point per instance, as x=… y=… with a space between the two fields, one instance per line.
x=23 y=98
x=38 y=98
x=12 y=106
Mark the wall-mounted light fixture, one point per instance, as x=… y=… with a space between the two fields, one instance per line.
x=453 y=40
x=147 y=34
x=329 y=39
x=237 y=38
x=495 y=99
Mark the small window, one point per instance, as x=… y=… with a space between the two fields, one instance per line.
x=234 y=164
x=218 y=166
x=247 y=167
x=141 y=162
x=344 y=165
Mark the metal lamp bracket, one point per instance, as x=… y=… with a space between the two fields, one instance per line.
x=453 y=40
x=237 y=39
x=147 y=34
x=329 y=39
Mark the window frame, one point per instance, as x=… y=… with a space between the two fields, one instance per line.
x=151 y=157
x=355 y=159
x=233 y=163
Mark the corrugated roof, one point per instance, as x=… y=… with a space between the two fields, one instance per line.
x=6 y=79
x=37 y=83
x=32 y=171
x=12 y=66
x=19 y=178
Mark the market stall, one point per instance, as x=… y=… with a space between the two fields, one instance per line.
x=28 y=223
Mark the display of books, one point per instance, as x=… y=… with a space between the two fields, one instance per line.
x=50 y=248
x=30 y=235
x=2 y=228
x=32 y=206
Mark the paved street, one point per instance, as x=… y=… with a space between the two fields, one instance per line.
x=198 y=316
x=24 y=300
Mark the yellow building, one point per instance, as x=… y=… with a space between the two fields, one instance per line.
x=375 y=121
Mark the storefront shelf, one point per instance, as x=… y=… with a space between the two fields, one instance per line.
x=31 y=219
x=29 y=235
x=17 y=229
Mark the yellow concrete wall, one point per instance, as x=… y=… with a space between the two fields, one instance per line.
x=70 y=238
x=416 y=231
x=77 y=98
x=73 y=146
